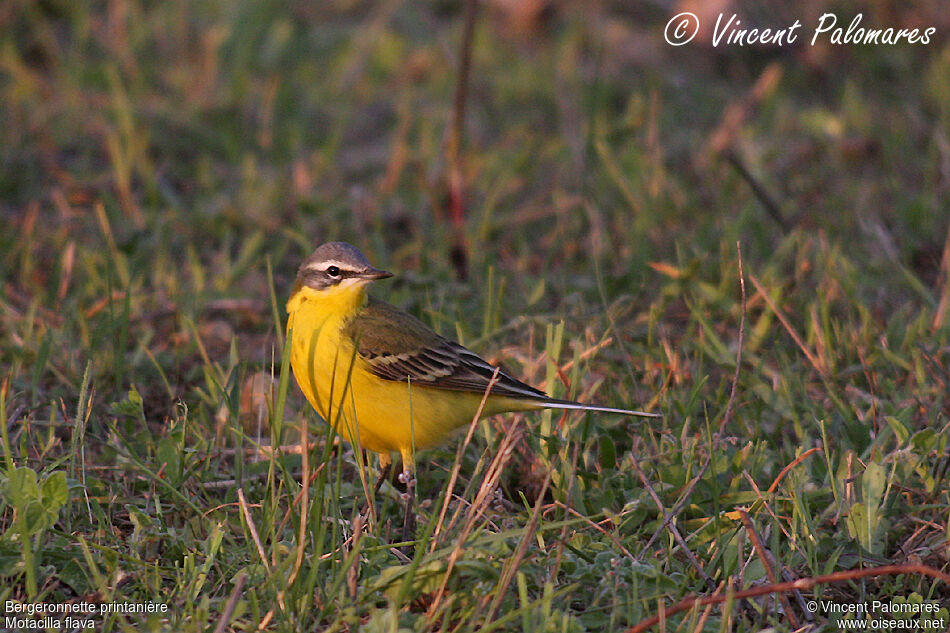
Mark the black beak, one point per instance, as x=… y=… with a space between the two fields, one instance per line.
x=374 y=273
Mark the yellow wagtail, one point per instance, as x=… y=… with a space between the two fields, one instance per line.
x=381 y=377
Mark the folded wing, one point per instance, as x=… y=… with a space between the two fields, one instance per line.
x=397 y=346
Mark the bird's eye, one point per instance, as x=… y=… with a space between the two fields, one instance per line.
x=333 y=271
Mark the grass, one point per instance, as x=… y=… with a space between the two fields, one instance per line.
x=166 y=166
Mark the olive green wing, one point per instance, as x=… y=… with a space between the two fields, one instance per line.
x=397 y=346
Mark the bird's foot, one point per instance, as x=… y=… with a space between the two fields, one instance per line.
x=409 y=522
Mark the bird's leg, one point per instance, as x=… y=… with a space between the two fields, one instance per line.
x=409 y=522
x=385 y=465
x=384 y=468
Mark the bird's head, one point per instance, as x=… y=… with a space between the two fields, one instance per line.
x=337 y=270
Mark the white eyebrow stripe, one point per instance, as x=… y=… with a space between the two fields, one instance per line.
x=322 y=266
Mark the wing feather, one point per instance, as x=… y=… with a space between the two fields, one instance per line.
x=398 y=347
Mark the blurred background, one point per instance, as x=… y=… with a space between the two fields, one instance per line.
x=183 y=145
x=167 y=165
x=169 y=152
x=162 y=161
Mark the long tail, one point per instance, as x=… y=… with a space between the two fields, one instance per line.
x=551 y=403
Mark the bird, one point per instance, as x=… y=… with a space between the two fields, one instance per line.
x=384 y=380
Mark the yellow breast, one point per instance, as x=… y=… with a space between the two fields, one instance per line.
x=368 y=411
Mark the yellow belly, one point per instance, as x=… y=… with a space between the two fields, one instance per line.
x=377 y=414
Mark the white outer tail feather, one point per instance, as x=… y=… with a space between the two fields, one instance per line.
x=577 y=406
